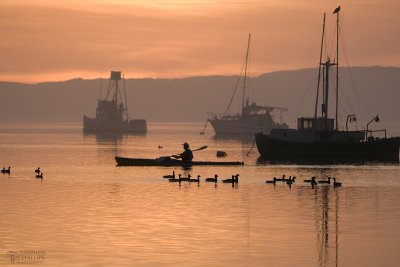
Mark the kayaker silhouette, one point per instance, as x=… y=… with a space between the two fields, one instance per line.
x=186 y=155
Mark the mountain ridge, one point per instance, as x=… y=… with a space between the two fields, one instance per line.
x=190 y=98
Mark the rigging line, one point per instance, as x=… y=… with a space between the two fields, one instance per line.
x=252 y=146
x=343 y=109
x=304 y=71
x=120 y=95
x=351 y=77
x=108 y=88
x=319 y=69
x=301 y=100
x=346 y=99
x=332 y=45
x=236 y=87
x=245 y=71
x=126 y=103
x=101 y=86
x=234 y=91
x=202 y=132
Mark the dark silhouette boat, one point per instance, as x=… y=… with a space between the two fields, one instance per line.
x=168 y=161
x=112 y=113
x=318 y=138
x=252 y=119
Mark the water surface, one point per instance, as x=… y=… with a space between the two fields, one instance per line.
x=88 y=212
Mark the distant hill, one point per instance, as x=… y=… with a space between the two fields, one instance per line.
x=363 y=90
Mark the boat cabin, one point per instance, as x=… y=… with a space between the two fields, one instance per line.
x=311 y=130
x=254 y=109
x=315 y=124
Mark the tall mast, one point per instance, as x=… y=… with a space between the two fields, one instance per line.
x=320 y=64
x=337 y=62
x=245 y=71
x=325 y=104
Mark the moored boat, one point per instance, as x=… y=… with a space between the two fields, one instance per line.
x=319 y=138
x=252 y=119
x=168 y=161
x=112 y=113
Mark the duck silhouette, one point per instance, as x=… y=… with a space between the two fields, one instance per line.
x=170 y=175
x=4 y=170
x=195 y=180
x=185 y=178
x=325 y=181
x=310 y=180
x=336 y=184
x=291 y=180
x=211 y=179
x=37 y=170
x=281 y=179
x=231 y=180
x=273 y=181
x=40 y=176
x=174 y=180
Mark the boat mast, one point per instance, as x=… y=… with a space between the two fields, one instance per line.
x=325 y=103
x=320 y=64
x=245 y=74
x=337 y=62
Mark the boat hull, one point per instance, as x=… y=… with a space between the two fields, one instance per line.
x=385 y=149
x=167 y=161
x=239 y=127
x=94 y=126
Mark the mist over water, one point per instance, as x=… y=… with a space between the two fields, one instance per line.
x=86 y=211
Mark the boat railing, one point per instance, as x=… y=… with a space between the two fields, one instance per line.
x=226 y=116
x=369 y=134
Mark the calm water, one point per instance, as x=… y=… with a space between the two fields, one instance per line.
x=88 y=212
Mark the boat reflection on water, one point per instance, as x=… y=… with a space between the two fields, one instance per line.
x=105 y=138
x=108 y=144
x=327 y=206
x=244 y=139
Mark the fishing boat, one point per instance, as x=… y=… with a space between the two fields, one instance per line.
x=168 y=162
x=318 y=138
x=112 y=112
x=252 y=119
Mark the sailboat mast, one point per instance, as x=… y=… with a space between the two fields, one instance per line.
x=337 y=65
x=245 y=72
x=320 y=64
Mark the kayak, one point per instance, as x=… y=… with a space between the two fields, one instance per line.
x=167 y=161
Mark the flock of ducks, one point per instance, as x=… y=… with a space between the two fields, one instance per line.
x=4 y=170
x=312 y=181
x=172 y=178
x=39 y=174
x=235 y=179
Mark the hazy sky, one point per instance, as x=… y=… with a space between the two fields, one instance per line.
x=45 y=40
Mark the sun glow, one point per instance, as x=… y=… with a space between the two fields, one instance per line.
x=176 y=38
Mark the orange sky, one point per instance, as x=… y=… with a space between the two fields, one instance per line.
x=45 y=40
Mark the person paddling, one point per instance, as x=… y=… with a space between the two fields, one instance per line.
x=186 y=155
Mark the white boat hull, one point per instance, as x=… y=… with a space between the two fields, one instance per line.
x=222 y=127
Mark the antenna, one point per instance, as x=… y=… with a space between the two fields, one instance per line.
x=337 y=10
